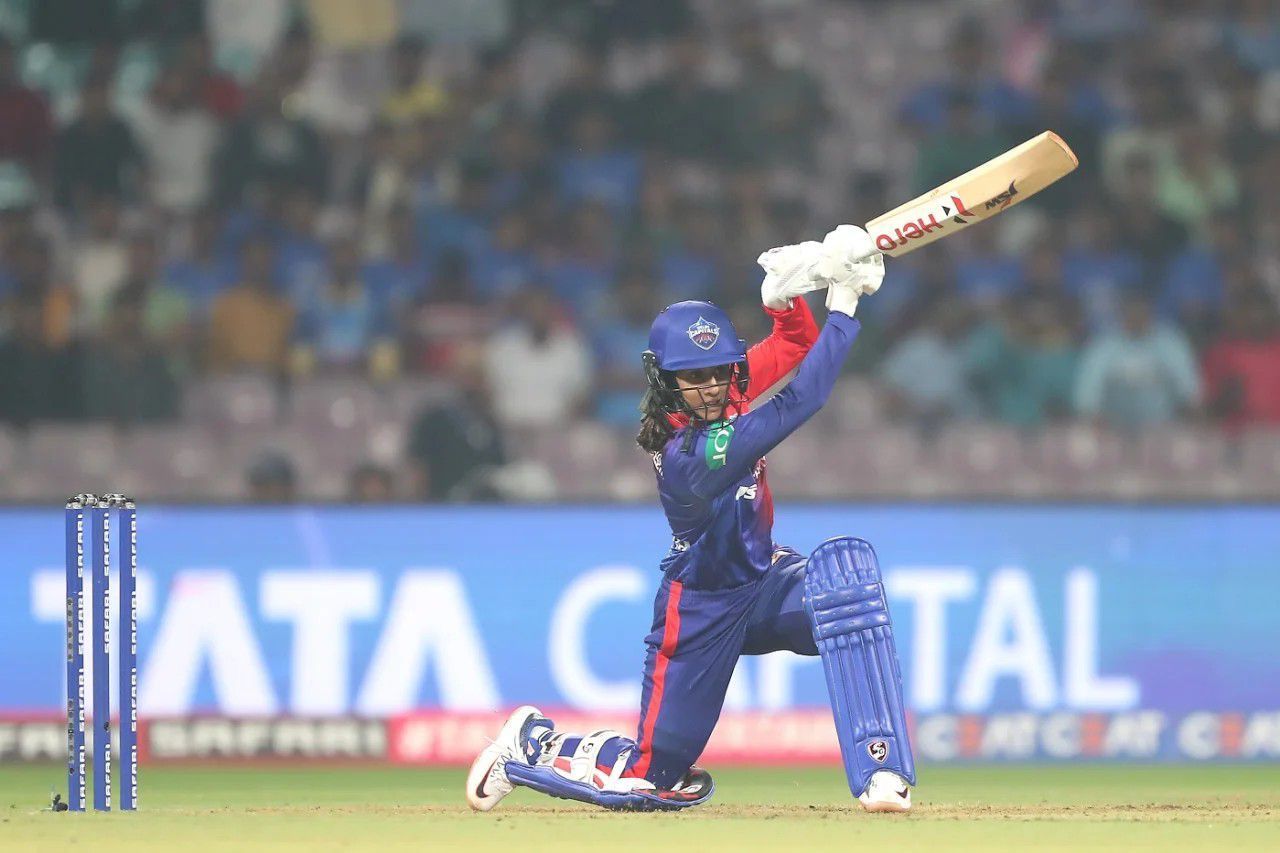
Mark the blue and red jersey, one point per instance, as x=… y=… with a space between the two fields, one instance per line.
x=713 y=486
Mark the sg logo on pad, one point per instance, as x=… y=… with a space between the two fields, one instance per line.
x=879 y=750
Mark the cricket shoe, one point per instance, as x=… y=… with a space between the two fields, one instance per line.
x=886 y=792
x=487 y=781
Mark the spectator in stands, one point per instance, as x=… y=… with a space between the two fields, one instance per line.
x=164 y=19
x=616 y=344
x=413 y=96
x=456 y=446
x=96 y=154
x=519 y=164
x=580 y=267
x=605 y=23
x=26 y=126
x=963 y=141
x=250 y=324
x=974 y=75
x=35 y=282
x=218 y=93
x=1097 y=271
x=38 y=380
x=17 y=211
x=202 y=270
x=654 y=222
x=584 y=91
x=403 y=167
x=691 y=267
x=1139 y=374
x=1198 y=182
x=778 y=111
x=924 y=373
x=293 y=63
x=268 y=146
x=370 y=484
x=920 y=281
x=596 y=167
x=302 y=259
x=1193 y=288
x=99 y=259
x=180 y=138
x=1244 y=142
x=541 y=350
x=401 y=275
x=985 y=275
x=494 y=97
x=1153 y=236
x=342 y=325
x=272 y=479
x=245 y=35
x=127 y=377
x=460 y=223
x=1158 y=99
x=448 y=317
x=165 y=311
x=509 y=264
x=1252 y=35
x=1071 y=102
x=680 y=114
x=1242 y=371
x=1022 y=363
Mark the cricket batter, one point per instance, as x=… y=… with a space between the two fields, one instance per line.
x=727 y=588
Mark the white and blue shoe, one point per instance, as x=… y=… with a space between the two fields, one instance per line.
x=886 y=792
x=487 y=781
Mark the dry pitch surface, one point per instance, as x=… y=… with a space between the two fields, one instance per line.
x=957 y=808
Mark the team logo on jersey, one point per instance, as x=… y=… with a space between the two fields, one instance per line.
x=878 y=750
x=704 y=333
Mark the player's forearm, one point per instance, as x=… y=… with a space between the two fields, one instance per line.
x=732 y=450
x=808 y=392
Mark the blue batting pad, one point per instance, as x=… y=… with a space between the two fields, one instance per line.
x=547 y=781
x=846 y=605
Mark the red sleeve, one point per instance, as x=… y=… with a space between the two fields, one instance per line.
x=794 y=333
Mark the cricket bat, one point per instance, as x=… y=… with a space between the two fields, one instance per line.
x=978 y=194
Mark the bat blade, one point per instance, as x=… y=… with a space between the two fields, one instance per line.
x=978 y=194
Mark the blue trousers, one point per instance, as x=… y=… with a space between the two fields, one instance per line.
x=696 y=640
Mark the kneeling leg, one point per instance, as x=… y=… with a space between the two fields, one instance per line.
x=594 y=769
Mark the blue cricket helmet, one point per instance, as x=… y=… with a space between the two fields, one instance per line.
x=687 y=336
x=691 y=334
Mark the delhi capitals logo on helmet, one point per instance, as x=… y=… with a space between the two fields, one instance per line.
x=704 y=333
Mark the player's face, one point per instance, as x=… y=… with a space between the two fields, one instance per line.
x=706 y=390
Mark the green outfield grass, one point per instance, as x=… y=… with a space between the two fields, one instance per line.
x=995 y=809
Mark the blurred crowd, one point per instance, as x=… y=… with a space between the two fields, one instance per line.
x=496 y=196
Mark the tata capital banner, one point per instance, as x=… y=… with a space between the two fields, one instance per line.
x=1025 y=632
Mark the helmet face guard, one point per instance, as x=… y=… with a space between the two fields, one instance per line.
x=664 y=386
x=693 y=335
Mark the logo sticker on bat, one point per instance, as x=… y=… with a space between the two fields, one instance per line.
x=1004 y=199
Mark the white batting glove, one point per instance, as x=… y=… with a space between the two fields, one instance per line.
x=843 y=297
x=849 y=254
x=789 y=273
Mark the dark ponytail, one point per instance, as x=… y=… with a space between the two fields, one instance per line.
x=655 y=428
